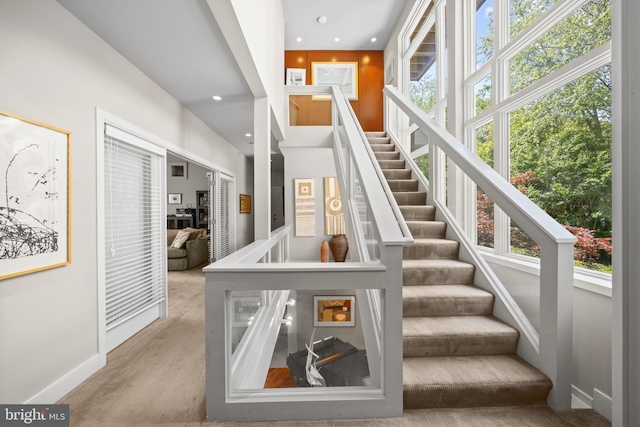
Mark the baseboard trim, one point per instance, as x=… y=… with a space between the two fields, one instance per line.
x=600 y=402
x=69 y=381
x=580 y=399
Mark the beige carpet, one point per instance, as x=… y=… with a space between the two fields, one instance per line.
x=156 y=378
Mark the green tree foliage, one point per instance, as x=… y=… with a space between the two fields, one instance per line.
x=560 y=145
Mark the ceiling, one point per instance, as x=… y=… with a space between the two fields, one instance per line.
x=179 y=45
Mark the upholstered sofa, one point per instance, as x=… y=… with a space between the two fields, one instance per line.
x=193 y=252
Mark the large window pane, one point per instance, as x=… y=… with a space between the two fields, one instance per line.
x=582 y=31
x=484 y=32
x=484 y=204
x=423 y=73
x=561 y=159
x=482 y=91
x=523 y=12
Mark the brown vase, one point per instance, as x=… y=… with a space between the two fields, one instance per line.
x=324 y=251
x=339 y=247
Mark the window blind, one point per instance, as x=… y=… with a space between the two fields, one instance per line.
x=226 y=189
x=135 y=238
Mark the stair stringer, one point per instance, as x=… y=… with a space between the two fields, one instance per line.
x=505 y=307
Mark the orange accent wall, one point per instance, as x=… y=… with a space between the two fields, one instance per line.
x=368 y=106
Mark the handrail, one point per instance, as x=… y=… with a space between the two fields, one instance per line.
x=510 y=199
x=255 y=251
x=384 y=216
x=552 y=344
x=385 y=185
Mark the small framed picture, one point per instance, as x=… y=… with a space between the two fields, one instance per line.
x=245 y=203
x=178 y=170
x=334 y=310
x=175 y=198
x=296 y=76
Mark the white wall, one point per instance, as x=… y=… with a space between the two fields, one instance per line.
x=54 y=70
x=307 y=155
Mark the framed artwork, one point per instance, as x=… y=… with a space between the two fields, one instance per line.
x=343 y=74
x=305 y=208
x=296 y=77
x=35 y=198
x=333 y=215
x=245 y=203
x=334 y=310
x=175 y=198
x=178 y=170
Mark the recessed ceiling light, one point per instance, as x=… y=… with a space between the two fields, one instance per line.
x=247 y=134
x=299 y=39
x=373 y=39
x=337 y=39
x=322 y=19
x=216 y=97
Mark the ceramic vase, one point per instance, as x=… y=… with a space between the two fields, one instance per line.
x=324 y=251
x=339 y=247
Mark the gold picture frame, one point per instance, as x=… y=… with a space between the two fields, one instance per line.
x=35 y=202
x=245 y=204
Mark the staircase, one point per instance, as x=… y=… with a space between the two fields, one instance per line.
x=456 y=354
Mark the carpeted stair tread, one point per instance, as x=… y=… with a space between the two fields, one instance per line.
x=457 y=336
x=375 y=133
x=428 y=248
x=387 y=155
x=418 y=213
x=410 y=198
x=427 y=229
x=472 y=381
x=403 y=184
x=437 y=272
x=392 y=164
x=446 y=300
x=397 y=173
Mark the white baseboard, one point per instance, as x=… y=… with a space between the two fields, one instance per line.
x=600 y=402
x=66 y=383
x=580 y=399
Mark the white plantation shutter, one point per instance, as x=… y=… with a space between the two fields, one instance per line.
x=135 y=237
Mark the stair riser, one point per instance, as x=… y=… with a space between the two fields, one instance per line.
x=428 y=230
x=475 y=395
x=446 y=249
x=397 y=173
x=403 y=184
x=469 y=345
x=378 y=140
x=387 y=155
x=418 y=213
x=434 y=307
x=410 y=198
x=392 y=164
x=438 y=275
x=376 y=148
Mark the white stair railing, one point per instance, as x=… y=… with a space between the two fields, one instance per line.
x=550 y=349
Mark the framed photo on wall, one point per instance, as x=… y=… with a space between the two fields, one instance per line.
x=296 y=77
x=343 y=74
x=174 y=198
x=334 y=310
x=178 y=170
x=35 y=198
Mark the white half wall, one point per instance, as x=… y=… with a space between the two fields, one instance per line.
x=56 y=71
